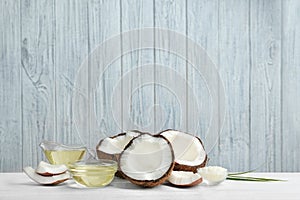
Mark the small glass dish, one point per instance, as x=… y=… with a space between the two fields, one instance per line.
x=58 y=153
x=93 y=173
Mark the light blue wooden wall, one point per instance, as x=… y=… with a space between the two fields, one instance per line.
x=254 y=44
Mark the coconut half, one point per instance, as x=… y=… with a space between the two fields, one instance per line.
x=46 y=180
x=188 y=150
x=184 y=178
x=111 y=147
x=46 y=169
x=147 y=160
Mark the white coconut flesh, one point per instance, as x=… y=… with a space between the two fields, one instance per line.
x=213 y=174
x=188 y=149
x=147 y=158
x=184 y=178
x=115 y=145
x=47 y=169
x=46 y=180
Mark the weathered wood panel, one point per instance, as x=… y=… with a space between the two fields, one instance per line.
x=290 y=86
x=10 y=87
x=38 y=77
x=265 y=85
x=204 y=33
x=170 y=109
x=234 y=65
x=254 y=44
x=104 y=22
x=71 y=49
x=138 y=99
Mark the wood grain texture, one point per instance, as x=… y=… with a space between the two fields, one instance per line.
x=204 y=33
x=265 y=83
x=234 y=65
x=139 y=112
x=290 y=86
x=10 y=87
x=103 y=23
x=254 y=45
x=38 y=77
x=170 y=109
x=71 y=49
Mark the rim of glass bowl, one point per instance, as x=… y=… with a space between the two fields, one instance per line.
x=93 y=166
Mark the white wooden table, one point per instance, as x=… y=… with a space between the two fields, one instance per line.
x=19 y=186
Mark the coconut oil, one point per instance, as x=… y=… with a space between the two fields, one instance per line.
x=57 y=157
x=100 y=177
x=93 y=174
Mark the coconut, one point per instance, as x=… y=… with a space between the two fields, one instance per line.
x=46 y=169
x=188 y=150
x=147 y=160
x=213 y=175
x=184 y=178
x=46 y=180
x=111 y=147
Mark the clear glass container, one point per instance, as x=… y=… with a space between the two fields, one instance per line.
x=62 y=154
x=93 y=173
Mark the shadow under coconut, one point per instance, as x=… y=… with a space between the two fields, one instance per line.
x=41 y=185
x=125 y=184
x=179 y=187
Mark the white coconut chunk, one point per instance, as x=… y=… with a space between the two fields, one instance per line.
x=213 y=174
x=46 y=180
x=111 y=146
x=147 y=158
x=184 y=178
x=115 y=145
x=188 y=149
x=46 y=169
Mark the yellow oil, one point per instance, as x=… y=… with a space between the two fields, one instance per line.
x=64 y=156
x=93 y=176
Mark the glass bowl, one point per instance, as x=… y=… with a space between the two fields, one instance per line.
x=93 y=173
x=58 y=154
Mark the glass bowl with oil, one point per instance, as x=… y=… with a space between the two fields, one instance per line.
x=62 y=154
x=93 y=173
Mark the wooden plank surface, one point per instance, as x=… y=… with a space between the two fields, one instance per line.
x=290 y=86
x=137 y=97
x=10 y=87
x=103 y=23
x=234 y=65
x=265 y=80
x=71 y=49
x=170 y=109
x=254 y=45
x=204 y=33
x=38 y=77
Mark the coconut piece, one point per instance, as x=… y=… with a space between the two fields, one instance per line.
x=147 y=160
x=46 y=180
x=213 y=175
x=111 y=147
x=188 y=150
x=184 y=179
x=46 y=169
